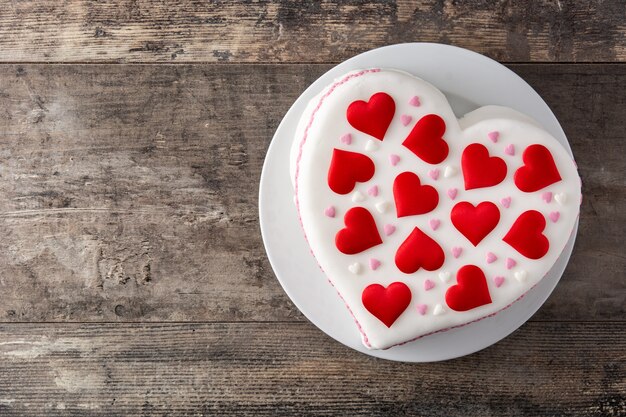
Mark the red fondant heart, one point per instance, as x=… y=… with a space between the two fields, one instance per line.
x=426 y=139
x=360 y=232
x=386 y=304
x=419 y=251
x=412 y=197
x=348 y=168
x=470 y=292
x=526 y=236
x=538 y=171
x=479 y=169
x=475 y=222
x=372 y=117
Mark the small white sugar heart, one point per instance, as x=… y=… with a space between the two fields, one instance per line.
x=449 y=171
x=382 y=207
x=521 y=275
x=560 y=198
x=358 y=196
x=438 y=310
x=445 y=276
x=355 y=268
x=371 y=145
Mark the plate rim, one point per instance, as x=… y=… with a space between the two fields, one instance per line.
x=317 y=86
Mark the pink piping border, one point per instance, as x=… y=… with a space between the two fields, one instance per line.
x=304 y=138
x=297 y=201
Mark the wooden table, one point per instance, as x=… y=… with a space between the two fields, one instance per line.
x=133 y=279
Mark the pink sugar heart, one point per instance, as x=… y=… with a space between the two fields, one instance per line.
x=428 y=284
x=434 y=224
x=389 y=229
x=347 y=139
x=510 y=263
x=493 y=136
x=547 y=196
x=434 y=174
x=415 y=101
x=394 y=159
x=405 y=119
x=452 y=193
x=498 y=281
x=509 y=150
x=374 y=264
x=506 y=202
x=554 y=216
x=373 y=190
x=491 y=258
x=421 y=308
x=330 y=211
x=456 y=251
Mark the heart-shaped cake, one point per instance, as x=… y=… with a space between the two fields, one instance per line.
x=421 y=221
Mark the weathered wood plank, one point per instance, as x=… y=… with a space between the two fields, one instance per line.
x=294 y=31
x=130 y=192
x=275 y=369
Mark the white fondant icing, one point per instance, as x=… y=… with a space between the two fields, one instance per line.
x=324 y=120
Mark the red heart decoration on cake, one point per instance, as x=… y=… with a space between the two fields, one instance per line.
x=538 y=171
x=526 y=236
x=419 y=251
x=348 y=168
x=479 y=169
x=412 y=197
x=426 y=139
x=386 y=304
x=372 y=117
x=360 y=232
x=471 y=290
x=475 y=222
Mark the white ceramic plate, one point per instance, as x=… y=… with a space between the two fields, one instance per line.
x=469 y=80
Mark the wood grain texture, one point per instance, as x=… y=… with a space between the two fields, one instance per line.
x=129 y=193
x=286 y=369
x=296 y=31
